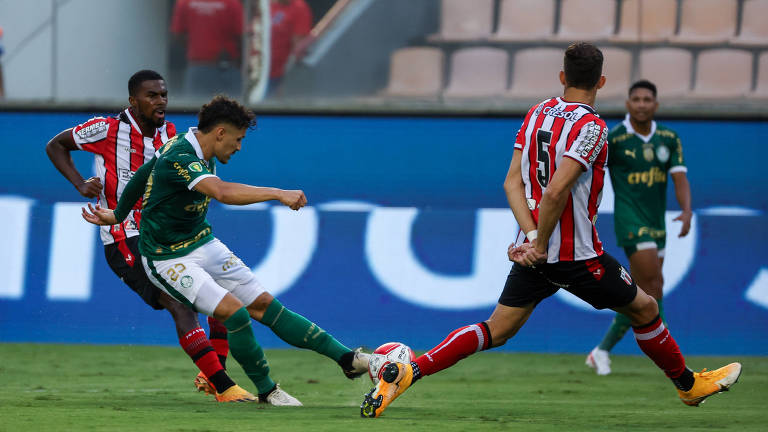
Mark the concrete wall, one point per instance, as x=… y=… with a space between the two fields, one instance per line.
x=81 y=50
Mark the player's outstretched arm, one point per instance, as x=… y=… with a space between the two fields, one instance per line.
x=133 y=190
x=242 y=194
x=58 y=150
x=98 y=215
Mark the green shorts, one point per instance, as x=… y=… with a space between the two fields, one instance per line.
x=642 y=244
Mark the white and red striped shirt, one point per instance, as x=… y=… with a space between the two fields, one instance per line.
x=119 y=149
x=554 y=129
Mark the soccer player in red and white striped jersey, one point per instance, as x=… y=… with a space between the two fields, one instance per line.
x=120 y=145
x=554 y=186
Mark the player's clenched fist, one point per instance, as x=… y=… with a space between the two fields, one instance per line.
x=90 y=188
x=294 y=199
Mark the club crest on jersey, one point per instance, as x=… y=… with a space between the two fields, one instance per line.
x=195 y=167
x=625 y=276
x=186 y=281
x=662 y=154
x=92 y=130
x=648 y=152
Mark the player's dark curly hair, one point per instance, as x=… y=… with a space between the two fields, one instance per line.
x=643 y=84
x=222 y=109
x=583 y=65
x=139 y=77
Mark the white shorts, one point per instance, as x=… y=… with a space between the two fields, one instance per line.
x=204 y=276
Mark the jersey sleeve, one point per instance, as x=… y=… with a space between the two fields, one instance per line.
x=520 y=137
x=676 y=161
x=187 y=170
x=133 y=190
x=588 y=144
x=91 y=135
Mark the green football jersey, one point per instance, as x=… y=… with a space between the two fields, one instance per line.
x=173 y=221
x=639 y=167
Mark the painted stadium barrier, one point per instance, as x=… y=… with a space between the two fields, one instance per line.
x=404 y=239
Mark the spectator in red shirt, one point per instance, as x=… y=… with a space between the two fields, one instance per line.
x=212 y=31
x=291 y=23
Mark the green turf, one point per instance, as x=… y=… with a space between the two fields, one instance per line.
x=139 y=388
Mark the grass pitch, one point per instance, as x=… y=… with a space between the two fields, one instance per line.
x=140 y=388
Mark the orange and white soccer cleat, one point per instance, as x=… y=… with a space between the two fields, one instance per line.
x=395 y=379
x=708 y=383
x=236 y=394
x=203 y=385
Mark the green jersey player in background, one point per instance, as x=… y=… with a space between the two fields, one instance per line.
x=183 y=258
x=641 y=155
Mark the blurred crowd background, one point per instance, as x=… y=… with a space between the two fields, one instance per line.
x=706 y=56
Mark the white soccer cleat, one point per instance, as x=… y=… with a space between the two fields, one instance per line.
x=599 y=361
x=279 y=397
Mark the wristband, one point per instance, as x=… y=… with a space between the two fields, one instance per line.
x=531 y=235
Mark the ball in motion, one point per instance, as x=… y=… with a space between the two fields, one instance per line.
x=390 y=352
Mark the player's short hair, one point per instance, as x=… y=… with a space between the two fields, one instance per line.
x=643 y=84
x=222 y=109
x=583 y=65
x=139 y=77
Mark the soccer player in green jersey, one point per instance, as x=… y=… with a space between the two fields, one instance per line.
x=183 y=258
x=642 y=154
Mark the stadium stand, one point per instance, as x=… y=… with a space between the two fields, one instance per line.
x=646 y=21
x=586 y=20
x=525 y=20
x=754 y=29
x=669 y=68
x=617 y=68
x=478 y=72
x=761 y=89
x=705 y=22
x=535 y=73
x=723 y=73
x=462 y=20
x=684 y=46
x=415 y=72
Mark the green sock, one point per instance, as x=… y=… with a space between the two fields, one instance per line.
x=618 y=329
x=247 y=351
x=300 y=332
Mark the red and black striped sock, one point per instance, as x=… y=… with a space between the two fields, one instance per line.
x=199 y=349
x=460 y=344
x=219 y=340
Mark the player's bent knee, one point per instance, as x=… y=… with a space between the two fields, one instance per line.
x=641 y=310
x=228 y=305
x=259 y=306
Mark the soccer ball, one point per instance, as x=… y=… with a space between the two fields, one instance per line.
x=388 y=353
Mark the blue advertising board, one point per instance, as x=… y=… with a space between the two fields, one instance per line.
x=404 y=238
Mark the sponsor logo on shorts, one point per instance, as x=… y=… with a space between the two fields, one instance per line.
x=625 y=276
x=186 y=281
